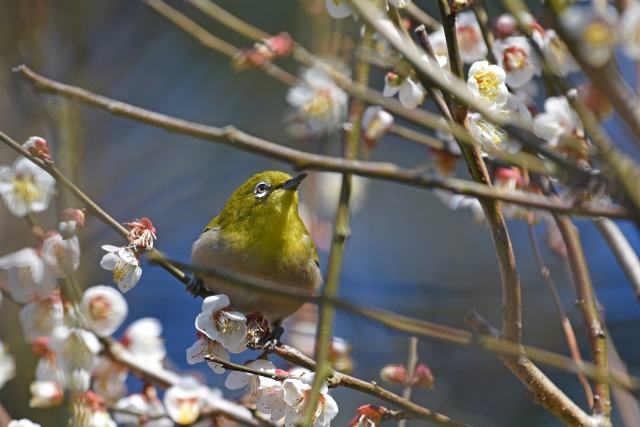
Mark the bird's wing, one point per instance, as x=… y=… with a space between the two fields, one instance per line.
x=212 y=224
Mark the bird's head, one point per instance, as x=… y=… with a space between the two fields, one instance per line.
x=267 y=200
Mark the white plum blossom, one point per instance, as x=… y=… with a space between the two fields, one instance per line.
x=486 y=83
x=205 y=346
x=184 y=400
x=104 y=309
x=518 y=59
x=142 y=338
x=270 y=399
x=27 y=276
x=149 y=411
x=490 y=136
x=220 y=324
x=410 y=92
x=459 y=201
x=375 y=123
x=25 y=187
x=45 y=394
x=62 y=257
x=319 y=102
x=78 y=380
x=594 y=31
x=38 y=318
x=470 y=40
x=7 y=365
x=237 y=379
x=557 y=55
x=109 y=379
x=49 y=370
x=22 y=423
x=75 y=349
x=100 y=418
x=629 y=31
x=296 y=392
x=125 y=266
x=558 y=119
x=339 y=9
x=517 y=111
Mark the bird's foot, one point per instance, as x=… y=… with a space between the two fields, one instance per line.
x=195 y=286
x=272 y=339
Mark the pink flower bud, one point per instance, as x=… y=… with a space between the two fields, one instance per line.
x=394 y=374
x=423 y=377
x=504 y=26
x=39 y=148
x=281 y=44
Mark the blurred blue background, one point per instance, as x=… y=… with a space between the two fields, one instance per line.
x=408 y=253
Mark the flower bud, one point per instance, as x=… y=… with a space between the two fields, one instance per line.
x=375 y=123
x=281 y=45
x=423 y=377
x=39 y=148
x=72 y=221
x=504 y=26
x=249 y=58
x=394 y=374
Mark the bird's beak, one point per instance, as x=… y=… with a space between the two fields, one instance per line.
x=292 y=184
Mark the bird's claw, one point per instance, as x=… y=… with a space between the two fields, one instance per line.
x=195 y=286
x=272 y=339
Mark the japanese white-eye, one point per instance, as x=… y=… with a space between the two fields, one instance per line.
x=259 y=232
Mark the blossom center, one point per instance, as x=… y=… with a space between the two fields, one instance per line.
x=488 y=83
x=319 y=105
x=189 y=410
x=100 y=308
x=490 y=132
x=25 y=188
x=24 y=276
x=224 y=323
x=514 y=58
x=122 y=270
x=597 y=34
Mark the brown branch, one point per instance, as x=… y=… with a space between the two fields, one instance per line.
x=511 y=309
x=301 y=160
x=412 y=362
x=546 y=393
x=337 y=379
x=587 y=304
x=570 y=335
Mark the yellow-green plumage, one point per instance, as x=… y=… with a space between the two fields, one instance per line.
x=262 y=235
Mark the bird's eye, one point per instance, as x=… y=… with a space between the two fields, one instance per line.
x=261 y=189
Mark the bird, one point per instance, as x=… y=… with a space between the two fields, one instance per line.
x=260 y=233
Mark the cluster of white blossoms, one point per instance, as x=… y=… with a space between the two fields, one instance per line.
x=222 y=331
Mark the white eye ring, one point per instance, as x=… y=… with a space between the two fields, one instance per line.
x=261 y=189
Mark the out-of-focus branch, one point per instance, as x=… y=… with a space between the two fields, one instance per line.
x=301 y=160
x=511 y=308
x=626 y=404
x=417 y=14
x=547 y=394
x=572 y=342
x=341 y=231
x=411 y=325
x=480 y=10
x=622 y=250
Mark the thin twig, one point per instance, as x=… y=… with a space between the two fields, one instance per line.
x=572 y=342
x=337 y=379
x=301 y=160
x=412 y=362
x=622 y=250
x=421 y=17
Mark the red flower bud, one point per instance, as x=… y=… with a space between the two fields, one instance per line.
x=39 y=148
x=423 y=377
